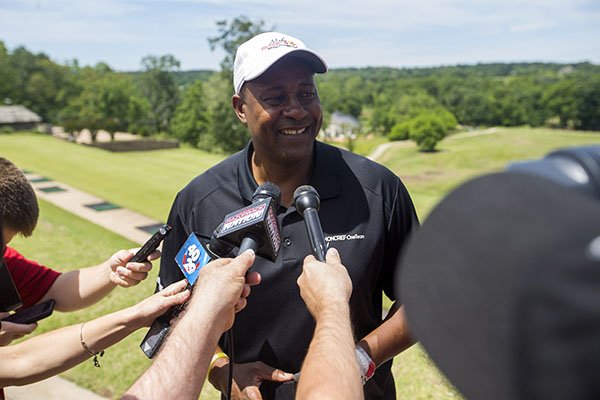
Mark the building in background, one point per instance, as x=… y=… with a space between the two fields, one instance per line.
x=18 y=118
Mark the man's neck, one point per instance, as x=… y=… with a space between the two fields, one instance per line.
x=288 y=177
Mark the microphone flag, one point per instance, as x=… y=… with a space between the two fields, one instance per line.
x=191 y=258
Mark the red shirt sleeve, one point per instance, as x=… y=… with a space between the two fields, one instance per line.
x=31 y=279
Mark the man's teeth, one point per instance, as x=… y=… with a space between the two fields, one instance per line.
x=292 y=131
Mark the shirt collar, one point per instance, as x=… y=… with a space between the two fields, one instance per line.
x=324 y=178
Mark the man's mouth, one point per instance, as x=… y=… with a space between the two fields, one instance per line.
x=292 y=132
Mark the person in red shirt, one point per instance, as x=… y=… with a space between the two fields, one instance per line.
x=35 y=283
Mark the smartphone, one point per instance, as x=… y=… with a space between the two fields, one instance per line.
x=32 y=314
x=151 y=244
x=9 y=296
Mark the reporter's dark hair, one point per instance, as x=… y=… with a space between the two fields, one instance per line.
x=19 y=208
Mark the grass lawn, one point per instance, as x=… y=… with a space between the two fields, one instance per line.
x=147 y=182
x=363 y=145
x=430 y=176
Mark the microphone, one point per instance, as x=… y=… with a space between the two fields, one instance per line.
x=255 y=226
x=218 y=248
x=307 y=204
x=252 y=227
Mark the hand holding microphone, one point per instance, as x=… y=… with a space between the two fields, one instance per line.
x=324 y=285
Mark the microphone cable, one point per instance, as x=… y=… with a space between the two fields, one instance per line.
x=230 y=377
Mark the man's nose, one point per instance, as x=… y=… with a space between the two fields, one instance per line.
x=294 y=108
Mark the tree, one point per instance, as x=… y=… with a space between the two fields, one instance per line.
x=104 y=103
x=561 y=101
x=190 y=121
x=225 y=132
x=158 y=87
x=231 y=36
x=427 y=129
x=8 y=77
x=589 y=104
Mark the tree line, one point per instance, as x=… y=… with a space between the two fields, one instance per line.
x=422 y=104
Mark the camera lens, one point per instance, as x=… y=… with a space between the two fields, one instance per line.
x=576 y=167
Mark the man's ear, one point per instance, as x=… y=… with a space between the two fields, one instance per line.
x=238 y=106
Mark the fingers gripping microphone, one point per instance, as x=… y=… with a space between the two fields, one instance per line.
x=255 y=226
x=307 y=204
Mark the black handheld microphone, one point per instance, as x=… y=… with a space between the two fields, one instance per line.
x=255 y=226
x=307 y=204
x=218 y=248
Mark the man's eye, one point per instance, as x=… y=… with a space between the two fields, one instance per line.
x=308 y=95
x=275 y=100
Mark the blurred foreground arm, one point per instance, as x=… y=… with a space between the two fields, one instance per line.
x=53 y=352
x=179 y=370
x=330 y=370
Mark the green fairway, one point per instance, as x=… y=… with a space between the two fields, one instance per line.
x=147 y=182
x=429 y=176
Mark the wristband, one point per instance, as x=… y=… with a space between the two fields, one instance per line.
x=365 y=363
x=216 y=357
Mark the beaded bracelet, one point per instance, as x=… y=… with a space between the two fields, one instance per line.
x=86 y=348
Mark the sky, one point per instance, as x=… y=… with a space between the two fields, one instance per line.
x=349 y=33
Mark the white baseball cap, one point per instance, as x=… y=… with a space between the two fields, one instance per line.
x=256 y=55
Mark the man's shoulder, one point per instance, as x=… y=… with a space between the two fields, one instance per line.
x=220 y=175
x=368 y=172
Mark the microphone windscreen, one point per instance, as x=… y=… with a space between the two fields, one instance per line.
x=501 y=285
x=267 y=189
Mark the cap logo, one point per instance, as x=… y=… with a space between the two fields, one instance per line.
x=283 y=42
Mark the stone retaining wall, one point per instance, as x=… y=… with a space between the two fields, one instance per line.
x=136 y=145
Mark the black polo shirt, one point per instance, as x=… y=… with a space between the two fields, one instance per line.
x=366 y=214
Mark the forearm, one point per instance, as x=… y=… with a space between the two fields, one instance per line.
x=186 y=354
x=390 y=338
x=330 y=369
x=78 y=289
x=53 y=352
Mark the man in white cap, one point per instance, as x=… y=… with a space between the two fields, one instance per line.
x=365 y=211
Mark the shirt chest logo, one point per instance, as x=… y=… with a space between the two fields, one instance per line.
x=344 y=237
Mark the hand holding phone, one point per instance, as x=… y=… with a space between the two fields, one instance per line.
x=32 y=314
x=151 y=244
x=130 y=275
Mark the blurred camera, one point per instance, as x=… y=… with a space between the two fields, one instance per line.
x=575 y=167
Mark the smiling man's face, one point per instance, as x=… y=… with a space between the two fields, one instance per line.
x=283 y=112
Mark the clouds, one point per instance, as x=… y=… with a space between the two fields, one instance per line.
x=348 y=33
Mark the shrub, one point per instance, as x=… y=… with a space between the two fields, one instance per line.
x=427 y=129
x=400 y=131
